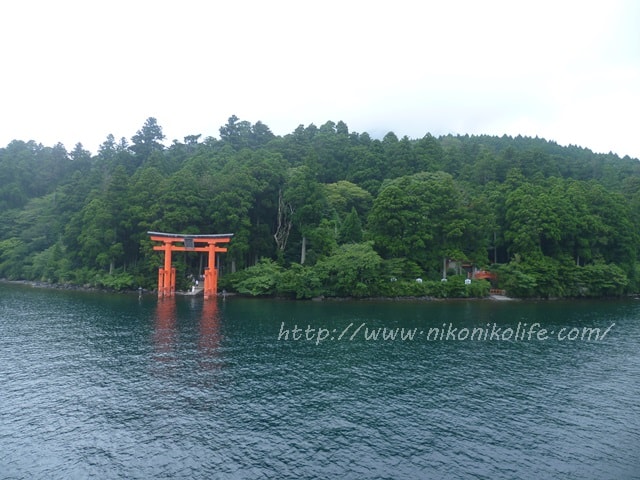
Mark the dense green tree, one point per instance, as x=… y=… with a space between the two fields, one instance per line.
x=232 y=196
x=236 y=133
x=180 y=203
x=97 y=237
x=80 y=156
x=259 y=279
x=300 y=282
x=148 y=139
x=554 y=221
x=352 y=271
x=351 y=228
x=398 y=222
x=331 y=148
x=343 y=196
x=368 y=166
x=12 y=254
x=533 y=222
x=420 y=217
x=429 y=155
x=307 y=201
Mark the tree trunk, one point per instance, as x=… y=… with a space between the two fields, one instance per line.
x=303 y=252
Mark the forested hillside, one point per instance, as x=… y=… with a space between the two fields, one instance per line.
x=326 y=211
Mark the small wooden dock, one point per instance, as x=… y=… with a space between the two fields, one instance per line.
x=195 y=291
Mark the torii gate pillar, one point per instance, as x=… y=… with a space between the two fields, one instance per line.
x=211 y=272
x=167 y=273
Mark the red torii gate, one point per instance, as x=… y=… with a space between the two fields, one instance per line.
x=167 y=274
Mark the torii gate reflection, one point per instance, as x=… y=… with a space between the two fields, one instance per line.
x=165 y=330
x=167 y=274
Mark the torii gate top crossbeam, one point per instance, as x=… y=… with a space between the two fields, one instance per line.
x=189 y=241
x=179 y=237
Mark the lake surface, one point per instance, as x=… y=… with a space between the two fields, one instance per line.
x=112 y=386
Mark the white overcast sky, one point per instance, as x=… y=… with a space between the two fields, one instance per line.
x=568 y=71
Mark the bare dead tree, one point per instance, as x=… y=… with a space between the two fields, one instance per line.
x=285 y=214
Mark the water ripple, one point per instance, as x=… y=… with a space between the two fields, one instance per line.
x=112 y=387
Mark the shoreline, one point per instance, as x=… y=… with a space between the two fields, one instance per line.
x=67 y=286
x=83 y=288
x=140 y=292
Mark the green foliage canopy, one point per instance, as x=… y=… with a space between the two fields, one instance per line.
x=325 y=211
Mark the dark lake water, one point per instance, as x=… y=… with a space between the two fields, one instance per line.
x=107 y=386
